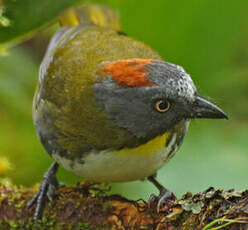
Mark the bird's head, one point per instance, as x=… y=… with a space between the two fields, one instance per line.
x=148 y=97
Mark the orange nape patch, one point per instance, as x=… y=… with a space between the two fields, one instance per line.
x=129 y=72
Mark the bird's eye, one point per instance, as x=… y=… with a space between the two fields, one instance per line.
x=162 y=106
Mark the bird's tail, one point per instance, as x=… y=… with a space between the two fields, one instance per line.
x=91 y=14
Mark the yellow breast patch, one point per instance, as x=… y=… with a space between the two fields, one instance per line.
x=152 y=146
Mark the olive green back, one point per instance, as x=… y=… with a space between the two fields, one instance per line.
x=67 y=77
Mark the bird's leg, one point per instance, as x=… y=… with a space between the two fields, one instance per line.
x=164 y=194
x=46 y=191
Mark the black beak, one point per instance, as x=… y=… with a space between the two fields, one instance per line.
x=205 y=109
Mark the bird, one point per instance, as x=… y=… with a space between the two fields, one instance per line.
x=108 y=107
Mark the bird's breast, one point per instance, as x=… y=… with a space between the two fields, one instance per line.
x=127 y=164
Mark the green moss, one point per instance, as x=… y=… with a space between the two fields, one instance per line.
x=16 y=225
x=13 y=224
x=20 y=204
x=107 y=207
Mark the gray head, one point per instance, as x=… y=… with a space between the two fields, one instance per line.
x=148 y=97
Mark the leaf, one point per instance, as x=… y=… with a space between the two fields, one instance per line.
x=19 y=19
x=4 y=21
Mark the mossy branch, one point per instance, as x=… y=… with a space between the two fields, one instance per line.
x=87 y=206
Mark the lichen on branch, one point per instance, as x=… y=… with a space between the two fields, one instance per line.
x=88 y=206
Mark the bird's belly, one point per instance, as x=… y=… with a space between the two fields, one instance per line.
x=123 y=165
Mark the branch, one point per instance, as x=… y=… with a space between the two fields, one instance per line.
x=87 y=206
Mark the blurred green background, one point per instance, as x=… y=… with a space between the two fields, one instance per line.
x=209 y=38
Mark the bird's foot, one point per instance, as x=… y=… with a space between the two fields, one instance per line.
x=46 y=191
x=163 y=201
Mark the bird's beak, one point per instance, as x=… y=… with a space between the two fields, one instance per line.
x=205 y=109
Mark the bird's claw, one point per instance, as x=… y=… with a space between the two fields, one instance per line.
x=163 y=201
x=46 y=191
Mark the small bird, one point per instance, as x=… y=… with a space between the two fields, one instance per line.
x=107 y=107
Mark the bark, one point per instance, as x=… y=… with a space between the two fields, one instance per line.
x=88 y=206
